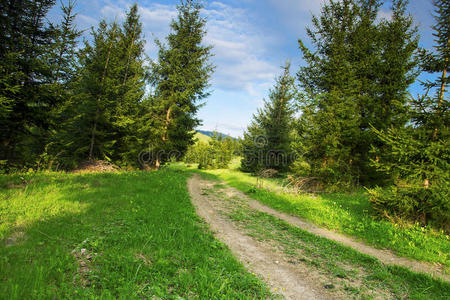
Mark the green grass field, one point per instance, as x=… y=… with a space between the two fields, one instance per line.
x=124 y=235
x=346 y=213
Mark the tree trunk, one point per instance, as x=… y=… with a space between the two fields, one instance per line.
x=166 y=128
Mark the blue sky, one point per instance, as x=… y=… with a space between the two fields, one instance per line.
x=251 y=38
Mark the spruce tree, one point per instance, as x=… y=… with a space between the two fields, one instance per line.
x=106 y=108
x=356 y=76
x=419 y=153
x=418 y=156
x=180 y=79
x=267 y=142
x=89 y=128
x=132 y=79
x=26 y=96
x=63 y=65
x=431 y=112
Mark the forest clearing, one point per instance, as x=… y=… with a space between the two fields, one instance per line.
x=130 y=234
x=200 y=149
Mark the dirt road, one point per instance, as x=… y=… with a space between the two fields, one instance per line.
x=290 y=278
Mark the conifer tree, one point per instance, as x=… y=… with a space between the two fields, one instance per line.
x=356 y=76
x=267 y=142
x=26 y=97
x=180 y=78
x=418 y=156
x=432 y=112
x=419 y=153
x=107 y=105
x=133 y=76
x=89 y=133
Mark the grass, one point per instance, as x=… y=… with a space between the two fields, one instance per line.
x=202 y=137
x=350 y=214
x=126 y=235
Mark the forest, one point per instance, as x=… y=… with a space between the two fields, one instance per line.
x=342 y=129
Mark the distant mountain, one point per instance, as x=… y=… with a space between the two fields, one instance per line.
x=211 y=133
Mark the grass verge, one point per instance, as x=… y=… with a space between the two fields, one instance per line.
x=125 y=235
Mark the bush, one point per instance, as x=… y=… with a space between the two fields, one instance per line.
x=414 y=203
x=217 y=154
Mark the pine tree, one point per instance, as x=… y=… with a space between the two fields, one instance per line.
x=418 y=156
x=133 y=76
x=432 y=112
x=267 y=142
x=180 y=78
x=89 y=133
x=26 y=94
x=107 y=105
x=420 y=152
x=63 y=65
x=356 y=77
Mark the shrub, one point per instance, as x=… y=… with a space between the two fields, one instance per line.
x=217 y=154
x=414 y=203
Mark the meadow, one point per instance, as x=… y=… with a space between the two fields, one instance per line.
x=111 y=235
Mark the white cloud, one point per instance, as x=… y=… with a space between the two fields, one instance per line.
x=297 y=13
x=240 y=49
x=384 y=14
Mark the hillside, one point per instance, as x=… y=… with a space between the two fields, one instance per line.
x=202 y=137
x=211 y=133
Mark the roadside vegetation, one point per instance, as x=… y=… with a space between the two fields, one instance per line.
x=348 y=213
x=342 y=270
x=111 y=235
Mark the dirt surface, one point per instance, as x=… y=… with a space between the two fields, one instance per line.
x=96 y=166
x=260 y=258
x=385 y=256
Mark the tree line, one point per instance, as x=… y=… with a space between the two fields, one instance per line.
x=356 y=123
x=63 y=102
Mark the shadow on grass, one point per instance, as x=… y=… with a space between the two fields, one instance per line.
x=124 y=235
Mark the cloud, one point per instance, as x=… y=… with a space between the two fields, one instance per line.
x=85 y=22
x=241 y=50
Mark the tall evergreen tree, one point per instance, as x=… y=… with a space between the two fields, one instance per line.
x=133 y=76
x=63 y=66
x=432 y=112
x=89 y=129
x=25 y=86
x=419 y=152
x=180 y=78
x=267 y=142
x=353 y=80
x=418 y=156
x=106 y=107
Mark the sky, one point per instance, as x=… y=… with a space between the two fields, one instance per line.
x=251 y=40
